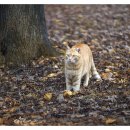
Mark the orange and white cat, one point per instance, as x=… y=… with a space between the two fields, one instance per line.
x=78 y=63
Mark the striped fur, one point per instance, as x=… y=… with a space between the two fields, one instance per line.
x=78 y=63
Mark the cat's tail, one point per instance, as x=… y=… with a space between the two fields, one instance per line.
x=94 y=71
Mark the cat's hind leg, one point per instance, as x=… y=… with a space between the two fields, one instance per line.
x=76 y=88
x=87 y=76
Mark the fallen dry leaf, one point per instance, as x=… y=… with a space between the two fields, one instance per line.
x=111 y=51
x=115 y=73
x=48 y=96
x=110 y=121
x=106 y=75
x=51 y=75
x=67 y=93
x=1 y=103
x=24 y=122
x=74 y=93
x=32 y=123
x=10 y=110
x=1 y=121
x=107 y=70
x=65 y=43
x=41 y=62
x=17 y=122
x=128 y=70
x=48 y=76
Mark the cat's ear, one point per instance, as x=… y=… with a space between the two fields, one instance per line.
x=66 y=45
x=78 y=49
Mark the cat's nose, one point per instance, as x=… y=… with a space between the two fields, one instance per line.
x=69 y=60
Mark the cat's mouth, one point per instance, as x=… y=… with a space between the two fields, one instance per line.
x=72 y=62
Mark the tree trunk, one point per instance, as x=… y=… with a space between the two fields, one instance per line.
x=23 y=34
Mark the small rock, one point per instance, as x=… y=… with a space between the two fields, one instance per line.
x=31 y=77
x=55 y=66
x=60 y=98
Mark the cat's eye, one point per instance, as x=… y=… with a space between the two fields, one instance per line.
x=67 y=55
x=76 y=56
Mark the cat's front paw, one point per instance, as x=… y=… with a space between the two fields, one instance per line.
x=76 y=88
x=68 y=88
x=85 y=84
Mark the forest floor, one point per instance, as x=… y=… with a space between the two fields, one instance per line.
x=33 y=94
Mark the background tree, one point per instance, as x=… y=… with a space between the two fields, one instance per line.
x=23 y=34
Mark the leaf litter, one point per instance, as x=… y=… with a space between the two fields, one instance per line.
x=34 y=94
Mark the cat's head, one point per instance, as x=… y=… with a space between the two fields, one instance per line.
x=72 y=55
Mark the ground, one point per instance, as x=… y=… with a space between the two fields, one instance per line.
x=33 y=94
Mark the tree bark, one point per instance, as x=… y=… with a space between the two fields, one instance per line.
x=23 y=34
